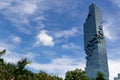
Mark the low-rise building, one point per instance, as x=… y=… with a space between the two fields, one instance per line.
x=117 y=78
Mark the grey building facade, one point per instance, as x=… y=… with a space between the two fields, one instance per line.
x=117 y=78
x=94 y=44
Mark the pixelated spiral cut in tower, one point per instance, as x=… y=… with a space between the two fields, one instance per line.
x=94 y=44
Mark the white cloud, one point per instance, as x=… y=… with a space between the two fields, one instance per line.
x=59 y=66
x=110 y=28
x=22 y=12
x=113 y=49
x=114 y=68
x=3 y=5
x=107 y=31
x=71 y=46
x=31 y=55
x=5 y=46
x=16 y=39
x=29 y=8
x=111 y=24
x=10 y=56
x=116 y=2
x=67 y=33
x=113 y=59
x=21 y=7
x=49 y=53
x=14 y=57
x=19 y=13
x=44 y=38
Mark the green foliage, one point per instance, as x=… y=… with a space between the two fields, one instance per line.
x=100 y=76
x=10 y=71
x=76 y=74
x=6 y=71
x=21 y=64
x=19 y=71
x=2 y=53
x=44 y=76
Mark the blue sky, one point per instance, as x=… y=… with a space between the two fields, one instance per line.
x=50 y=33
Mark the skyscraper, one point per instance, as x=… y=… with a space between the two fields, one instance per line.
x=94 y=44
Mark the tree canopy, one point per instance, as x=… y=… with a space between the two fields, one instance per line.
x=76 y=74
x=9 y=71
x=100 y=76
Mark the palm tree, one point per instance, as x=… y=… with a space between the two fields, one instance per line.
x=21 y=64
x=100 y=76
x=2 y=53
x=19 y=70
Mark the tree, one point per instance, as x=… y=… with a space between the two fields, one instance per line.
x=76 y=74
x=2 y=53
x=6 y=70
x=44 y=76
x=9 y=71
x=100 y=76
x=19 y=71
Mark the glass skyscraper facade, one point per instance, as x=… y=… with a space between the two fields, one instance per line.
x=94 y=44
